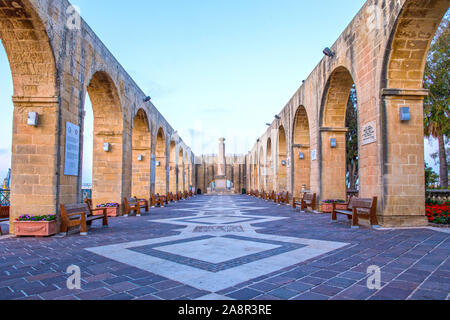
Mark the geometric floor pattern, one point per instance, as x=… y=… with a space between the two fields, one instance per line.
x=218 y=258
x=228 y=247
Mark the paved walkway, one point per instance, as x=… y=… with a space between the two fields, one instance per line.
x=228 y=247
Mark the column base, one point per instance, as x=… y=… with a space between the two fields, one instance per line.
x=402 y=221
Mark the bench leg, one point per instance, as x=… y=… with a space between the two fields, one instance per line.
x=105 y=220
x=83 y=226
x=374 y=222
x=334 y=217
x=355 y=222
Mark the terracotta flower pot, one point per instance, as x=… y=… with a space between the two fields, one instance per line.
x=110 y=211
x=327 y=207
x=342 y=206
x=35 y=228
x=113 y=212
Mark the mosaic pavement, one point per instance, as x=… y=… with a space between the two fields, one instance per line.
x=228 y=247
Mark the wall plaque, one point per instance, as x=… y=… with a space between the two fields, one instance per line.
x=313 y=155
x=369 y=133
x=72 y=155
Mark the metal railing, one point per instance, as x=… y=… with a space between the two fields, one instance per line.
x=4 y=197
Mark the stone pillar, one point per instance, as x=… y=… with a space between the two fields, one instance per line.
x=404 y=174
x=35 y=167
x=220 y=177
x=221 y=159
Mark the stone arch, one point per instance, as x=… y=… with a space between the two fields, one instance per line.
x=282 y=160
x=161 y=162
x=255 y=171
x=269 y=165
x=332 y=119
x=173 y=177
x=301 y=153
x=402 y=86
x=107 y=168
x=180 y=170
x=250 y=172
x=35 y=89
x=141 y=144
x=262 y=169
x=186 y=171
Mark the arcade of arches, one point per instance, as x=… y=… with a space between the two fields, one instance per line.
x=136 y=154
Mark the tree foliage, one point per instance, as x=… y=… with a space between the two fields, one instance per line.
x=351 y=122
x=436 y=106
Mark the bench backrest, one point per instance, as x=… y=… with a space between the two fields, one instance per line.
x=309 y=197
x=76 y=208
x=132 y=201
x=362 y=203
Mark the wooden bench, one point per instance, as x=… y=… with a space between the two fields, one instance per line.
x=74 y=215
x=283 y=198
x=133 y=204
x=157 y=201
x=309 y=201
x=359 y=208
x=4 y=216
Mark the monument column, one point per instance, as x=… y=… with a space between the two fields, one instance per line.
x=220 y=179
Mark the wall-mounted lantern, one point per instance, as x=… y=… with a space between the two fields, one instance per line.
x=140 y=157
x=301 y=156
x=333 y=143
x=158 y=164
x=107 y=147
x=283 y=163
x=33 y=119
x=405 y=114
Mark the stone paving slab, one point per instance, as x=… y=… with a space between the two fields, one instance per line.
x=333 y=265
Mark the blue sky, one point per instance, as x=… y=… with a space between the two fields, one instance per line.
x=216 y=68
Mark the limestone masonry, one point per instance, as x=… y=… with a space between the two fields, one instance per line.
x=55 y=63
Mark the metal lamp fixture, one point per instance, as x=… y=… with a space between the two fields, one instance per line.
x=140 y=157
x=405 y=114
x=147 y=99
x=301 y=155
x=33 y=119
x=107 y=147
x=333 y=143
x=283 y=163
x=277 y=117
x=328 y=52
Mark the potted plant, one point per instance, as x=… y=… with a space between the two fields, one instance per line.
x=327 y=205
x=112 y=209
x=35 y=226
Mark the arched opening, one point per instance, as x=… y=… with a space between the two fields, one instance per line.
x=255 y=172
x=186 y=173
x=250 y=173
x=140 y=186
x=180 y=170
x=107 y=168
x=339 y=95
x=30 y=150
x=402 y=87
x=301 y=154
x=160 y=164
x=262 y=170
x=269 y=166
x=282 y=161
x=173 y=176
